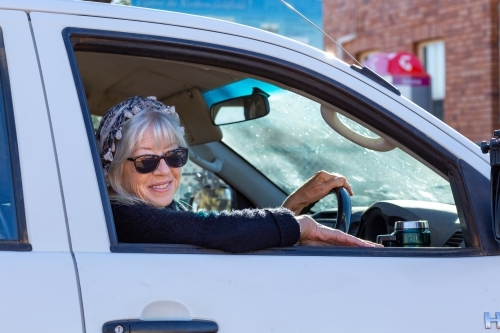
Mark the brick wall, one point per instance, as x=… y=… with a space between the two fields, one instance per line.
x=469 y=29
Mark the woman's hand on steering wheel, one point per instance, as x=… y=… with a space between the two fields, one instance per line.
x=314 y=189
x=315 y=234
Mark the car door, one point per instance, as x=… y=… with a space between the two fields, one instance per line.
x=38 y=282
x=289 y=290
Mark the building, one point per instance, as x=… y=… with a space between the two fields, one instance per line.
x=457 y=41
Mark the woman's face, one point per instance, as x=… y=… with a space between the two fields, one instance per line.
x=157 y=187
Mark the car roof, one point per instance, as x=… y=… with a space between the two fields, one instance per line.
x=95 y=9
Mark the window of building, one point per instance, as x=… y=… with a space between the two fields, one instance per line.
x=433 y=57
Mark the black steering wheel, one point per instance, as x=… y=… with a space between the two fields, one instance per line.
x=344 y=209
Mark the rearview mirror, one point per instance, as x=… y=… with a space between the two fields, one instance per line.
x=240 y=109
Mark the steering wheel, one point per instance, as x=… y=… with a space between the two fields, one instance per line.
x=344 y=209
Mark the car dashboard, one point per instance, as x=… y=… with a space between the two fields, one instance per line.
x=380 y=217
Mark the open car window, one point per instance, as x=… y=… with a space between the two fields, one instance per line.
x=280 y=150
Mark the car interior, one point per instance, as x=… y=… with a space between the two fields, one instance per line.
x=220 y=176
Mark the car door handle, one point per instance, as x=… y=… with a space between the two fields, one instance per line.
x=173 y=326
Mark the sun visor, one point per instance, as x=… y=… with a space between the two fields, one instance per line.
x=195 y=117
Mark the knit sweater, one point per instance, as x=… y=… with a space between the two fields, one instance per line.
x=231 y=231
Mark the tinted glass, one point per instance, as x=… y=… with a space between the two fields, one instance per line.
x=8 y=221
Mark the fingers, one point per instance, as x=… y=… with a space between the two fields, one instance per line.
x=313 y=233
x=314 y=189
x=354 y=241
x=337 y=180
x=347 y=186
x=339 y=238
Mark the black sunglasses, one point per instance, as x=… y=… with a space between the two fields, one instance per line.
x=174 y=158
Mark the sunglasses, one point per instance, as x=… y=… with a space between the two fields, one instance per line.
x=174 y=158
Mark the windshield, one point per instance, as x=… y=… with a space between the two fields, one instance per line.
x=293 y=142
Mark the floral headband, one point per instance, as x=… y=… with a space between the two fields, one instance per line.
x=110 y=128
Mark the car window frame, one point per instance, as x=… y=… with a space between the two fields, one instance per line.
x=290 y=74
x=22 y=242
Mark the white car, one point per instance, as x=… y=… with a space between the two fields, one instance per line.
x=64 y=63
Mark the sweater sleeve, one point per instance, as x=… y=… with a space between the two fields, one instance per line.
x=231 y=231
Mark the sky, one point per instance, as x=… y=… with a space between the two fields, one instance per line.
x=271 y=15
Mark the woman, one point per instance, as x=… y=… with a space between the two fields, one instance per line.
x=142 y=151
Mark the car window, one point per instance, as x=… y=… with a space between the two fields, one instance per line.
x=293 y=142
x=8 y=221
x=281 y=150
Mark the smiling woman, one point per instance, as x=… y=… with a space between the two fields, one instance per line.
x=142 y=148
x=150 y=137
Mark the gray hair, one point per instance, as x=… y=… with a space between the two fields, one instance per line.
x=166 y=129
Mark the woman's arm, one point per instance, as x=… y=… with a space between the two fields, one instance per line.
x=235 y=231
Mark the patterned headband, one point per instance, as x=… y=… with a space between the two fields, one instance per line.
x=110 y=128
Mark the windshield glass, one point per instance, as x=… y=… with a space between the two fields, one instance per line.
x=293 y=142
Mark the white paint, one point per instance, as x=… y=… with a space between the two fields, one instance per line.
x=81 y=193
x=165 y=310
x=252 y=293
x=248 y=293
x=297 y=294
x=38 y=293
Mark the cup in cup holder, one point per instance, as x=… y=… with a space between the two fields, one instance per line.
x=407 y=234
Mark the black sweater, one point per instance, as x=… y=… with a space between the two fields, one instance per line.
x=232 y=231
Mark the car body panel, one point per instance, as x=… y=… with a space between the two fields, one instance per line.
x=47 y=228
x=38 y=288
x=39 y=292
x=253 y=292
x=293 y=294
x=78 y=177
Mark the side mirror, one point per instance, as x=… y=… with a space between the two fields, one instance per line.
x=240 y=109
x=493 y=147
